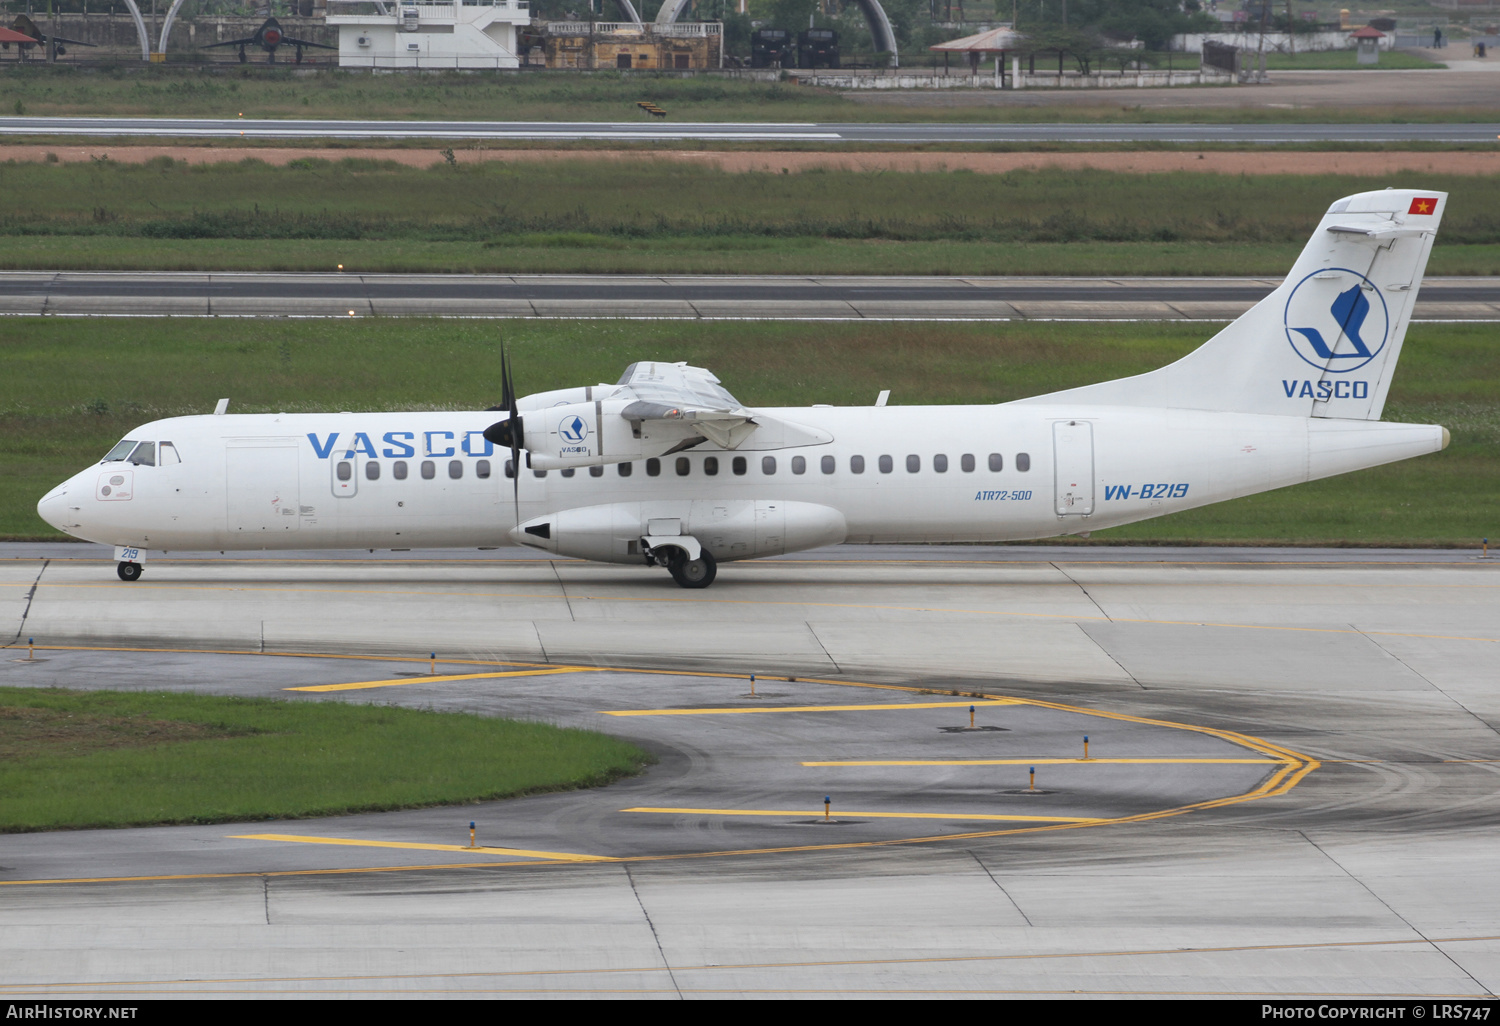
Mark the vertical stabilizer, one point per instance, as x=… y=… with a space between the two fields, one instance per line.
x=1325 y=343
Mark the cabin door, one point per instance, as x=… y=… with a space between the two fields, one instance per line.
x=261 y=490
x=1073 y=467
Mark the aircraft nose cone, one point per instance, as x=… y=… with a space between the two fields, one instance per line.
x=53 y=507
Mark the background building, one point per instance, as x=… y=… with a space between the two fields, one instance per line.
x=689 y=46
x=407 y=34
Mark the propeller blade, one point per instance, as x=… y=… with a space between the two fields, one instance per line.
x=514 y=429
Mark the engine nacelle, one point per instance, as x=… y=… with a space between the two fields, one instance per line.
x=562 y=397
x=581 y=435
x=590 y=434
x=729 y=529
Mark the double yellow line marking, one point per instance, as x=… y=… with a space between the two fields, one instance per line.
x=731 y=710
x=874 y=815
x=554 y=856
x=426 y=679
x=1132 y=761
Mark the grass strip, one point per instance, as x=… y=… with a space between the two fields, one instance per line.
x=593 y=203
x=1343 y=60
x=75 y=387
x=261 y=92
x=83 y=759
x=577 y=253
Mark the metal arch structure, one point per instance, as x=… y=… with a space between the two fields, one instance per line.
x=880 y=29
x=166 y=26
x=140 y=27
x=881 y=33
x=670 y=9
x=630 y=11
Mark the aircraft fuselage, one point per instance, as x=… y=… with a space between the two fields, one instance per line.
x=890 y=474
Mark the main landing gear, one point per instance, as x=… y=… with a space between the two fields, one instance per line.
x=129 y=571
x=692 y=573
x=698 y=572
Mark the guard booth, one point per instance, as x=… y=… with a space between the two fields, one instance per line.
x=771 y=48
x=818 y=48
x=1367 y=44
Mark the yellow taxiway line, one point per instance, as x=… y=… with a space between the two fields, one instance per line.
x=873 y=815
x=1050 y=762
x=1291 y=768
x=554 y=856
x=978 y=702
x=423 y=679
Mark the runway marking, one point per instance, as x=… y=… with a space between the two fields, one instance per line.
x=1048 y=762
x=978 y=702
x=555 y=856
x=401 y=682
x=1042 y=956
x=872 y=815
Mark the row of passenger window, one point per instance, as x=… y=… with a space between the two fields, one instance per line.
x=683 y=466
x=344 y=469
x=739 y=466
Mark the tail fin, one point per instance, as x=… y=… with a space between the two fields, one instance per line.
x=1325 y=343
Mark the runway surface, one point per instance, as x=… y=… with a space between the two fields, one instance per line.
x=653 y=131
x=789 y=297
x=1353 y=854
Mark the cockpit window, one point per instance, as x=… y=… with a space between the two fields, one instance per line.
x=120 y=451
x=167 y=455
x=144 y=455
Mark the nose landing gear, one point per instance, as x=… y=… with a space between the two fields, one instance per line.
x=129 y=571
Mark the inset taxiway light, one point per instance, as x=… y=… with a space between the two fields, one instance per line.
x=351 y=313
x=341 y=267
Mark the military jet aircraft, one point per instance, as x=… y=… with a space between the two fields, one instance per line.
x=268 y=37
x=26 y=27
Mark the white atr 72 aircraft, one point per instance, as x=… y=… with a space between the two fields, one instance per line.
x=666 y=468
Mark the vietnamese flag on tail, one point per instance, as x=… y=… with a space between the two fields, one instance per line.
x=1423 y=205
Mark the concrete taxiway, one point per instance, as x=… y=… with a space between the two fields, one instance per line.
x=832 y=133
x=773 y=297
x=1292 y=788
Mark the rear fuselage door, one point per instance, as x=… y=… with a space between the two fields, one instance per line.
x=1073 y=467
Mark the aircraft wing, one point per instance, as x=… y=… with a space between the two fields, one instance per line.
x=233 y=42
x=289 y=41
x=69 y=42
x=686 y=395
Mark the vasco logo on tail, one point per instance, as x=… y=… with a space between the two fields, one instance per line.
x=1342 y=336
